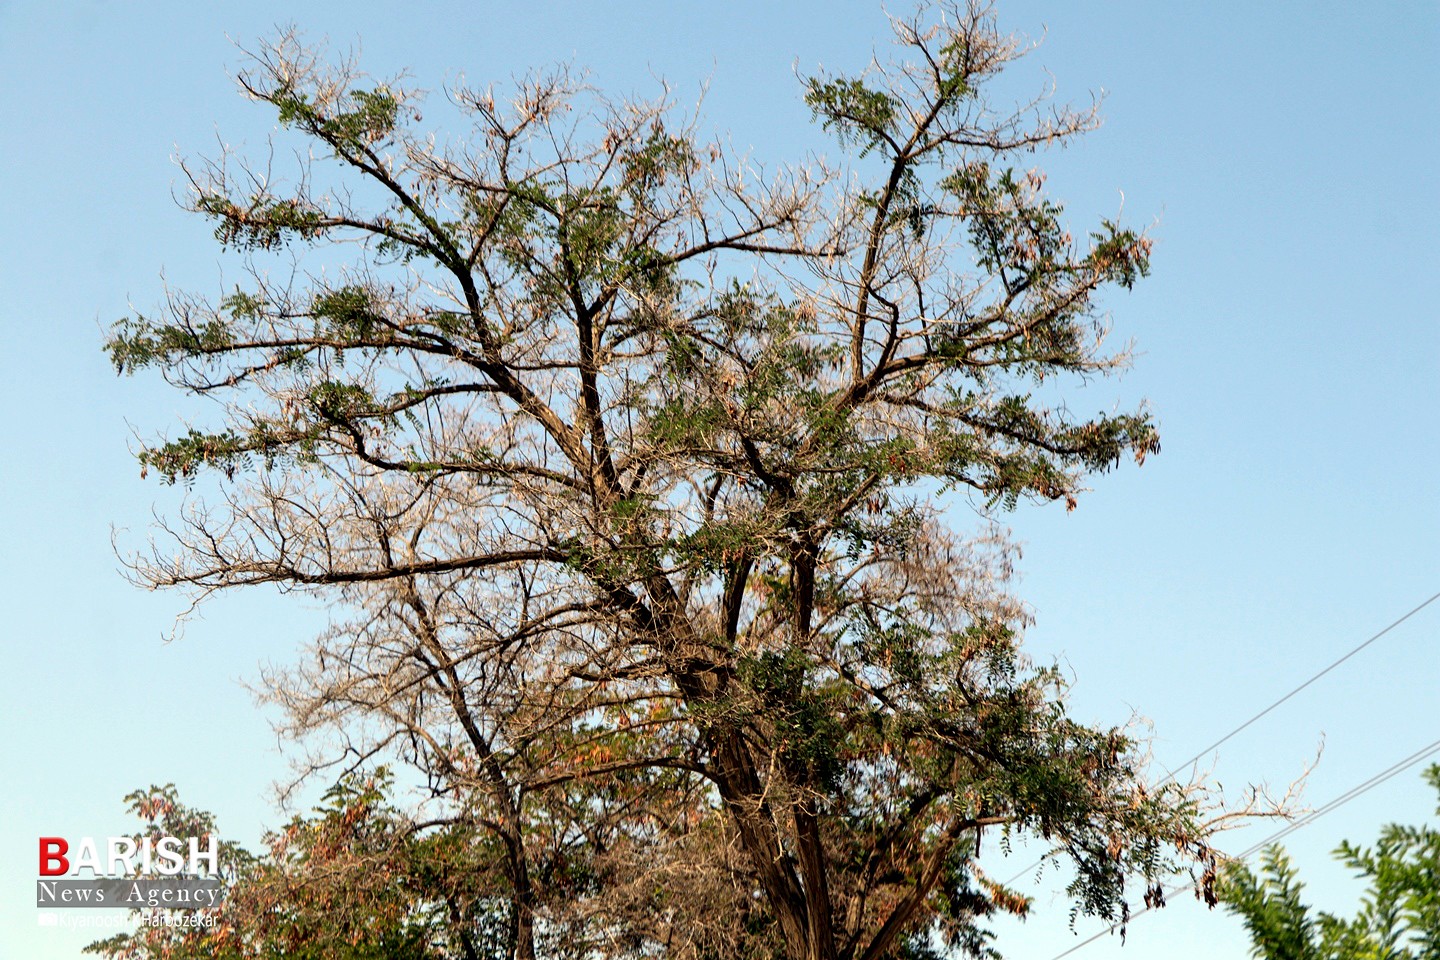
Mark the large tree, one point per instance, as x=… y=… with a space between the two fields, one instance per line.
x=624 y=466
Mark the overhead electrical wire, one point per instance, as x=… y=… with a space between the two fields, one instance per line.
x=1285 y=831
x=1335 y=663
x=1393 y=624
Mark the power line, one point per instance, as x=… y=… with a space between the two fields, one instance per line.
x=1344 y=798
x=1284 y=831
x=1393 y=624
x=1376 y=636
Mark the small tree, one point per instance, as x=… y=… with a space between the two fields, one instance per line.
x=163 y=815
x=356 y=880
x=623 y=466
x=1399 y=914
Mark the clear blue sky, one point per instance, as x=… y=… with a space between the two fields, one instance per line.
x=1288 y=341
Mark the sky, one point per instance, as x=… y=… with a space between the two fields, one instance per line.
x=1283 y=154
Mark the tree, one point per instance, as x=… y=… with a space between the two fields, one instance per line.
x=624 y=467
x=163 y=815
x=1399 y=914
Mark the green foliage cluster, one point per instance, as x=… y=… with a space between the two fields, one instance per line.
x=363 y=119
x=136 y=343
x=260 y=223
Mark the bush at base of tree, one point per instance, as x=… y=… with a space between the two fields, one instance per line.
x=355 y=880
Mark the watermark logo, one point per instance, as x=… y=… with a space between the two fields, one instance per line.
x=164 y=872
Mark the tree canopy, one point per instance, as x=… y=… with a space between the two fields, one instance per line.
x=623 y=464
